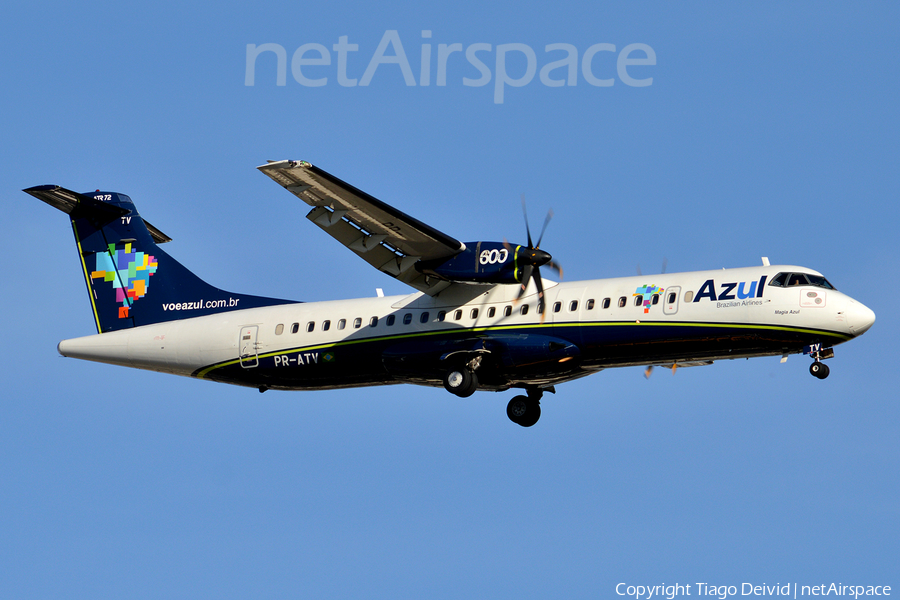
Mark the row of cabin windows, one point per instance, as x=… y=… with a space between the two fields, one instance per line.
x=473 y=313
x=606 y=302
x=780 y=280
x=407 y=319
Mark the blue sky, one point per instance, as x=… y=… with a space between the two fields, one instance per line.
x=769 y=129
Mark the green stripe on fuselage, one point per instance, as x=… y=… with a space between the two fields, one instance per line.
x=506 y=328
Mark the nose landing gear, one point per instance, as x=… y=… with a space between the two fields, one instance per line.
x=819 y=369
x=817 y=353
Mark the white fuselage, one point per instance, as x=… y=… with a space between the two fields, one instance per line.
x=297 y=336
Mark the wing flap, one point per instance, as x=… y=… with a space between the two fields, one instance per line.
x=371 y=249
x=386 y=238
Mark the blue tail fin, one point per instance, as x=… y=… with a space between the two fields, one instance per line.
x=131 y=281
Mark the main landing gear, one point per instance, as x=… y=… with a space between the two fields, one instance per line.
x=525 y=410
x=461 y=381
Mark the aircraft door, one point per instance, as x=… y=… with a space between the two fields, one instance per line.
x=670 y=301
x=248 y=346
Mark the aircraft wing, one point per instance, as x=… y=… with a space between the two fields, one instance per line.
x=386 y=238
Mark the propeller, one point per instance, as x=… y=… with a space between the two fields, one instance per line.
x=649 y=370
x=533 y=258
x=665 y=265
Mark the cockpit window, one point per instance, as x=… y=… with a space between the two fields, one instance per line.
x=819 y=281
x=778 y=280
x=797 y=279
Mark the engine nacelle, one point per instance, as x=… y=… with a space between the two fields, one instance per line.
x=480 y=262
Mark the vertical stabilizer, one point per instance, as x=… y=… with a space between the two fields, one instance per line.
x=131 y=281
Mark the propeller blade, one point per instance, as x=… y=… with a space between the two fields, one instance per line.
x=526 y=275
x=540 y=288
x=665 y=264
x=648 y=371
x=527 y=228
x=555 y=266
x=544 y=228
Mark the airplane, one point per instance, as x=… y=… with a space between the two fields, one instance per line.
x=482 y=318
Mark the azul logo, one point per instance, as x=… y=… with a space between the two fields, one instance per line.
x=128 y=271
x=648 y=291
x=731 y=291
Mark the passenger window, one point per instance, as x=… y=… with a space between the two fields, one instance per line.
x=638 y=300
x=442 y=315
x=295 y=327
x=606 y=302
x=654 y=299
x=310 y=326
x=457 y=315
x=424 y=317
x=326 y=325
x=279 y=329
x=474 y=313
x=507 y=311
x=407 y=318
x=688 y=296
x=557 y=306
x=373 y=322
x=357 y=322
x=590 y=304
x=672 y=297
x=491 y=312
x=342 y=323
x=622 y=302
x=524 y=310
x=390 y=320
x=573 y=305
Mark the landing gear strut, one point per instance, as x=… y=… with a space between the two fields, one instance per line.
x=818 y=368
x=525 y=410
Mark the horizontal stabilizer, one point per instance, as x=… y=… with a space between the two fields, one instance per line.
x=78 y=205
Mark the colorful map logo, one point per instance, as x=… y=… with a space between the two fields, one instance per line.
x=129 y=272
x=648 y=291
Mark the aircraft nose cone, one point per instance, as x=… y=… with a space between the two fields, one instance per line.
x=860 y=317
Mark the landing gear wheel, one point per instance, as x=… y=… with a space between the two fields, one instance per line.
x=820 y=370
x=523 y=411
x=460 y=381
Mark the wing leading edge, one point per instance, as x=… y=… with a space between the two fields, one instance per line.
x=386 y=238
